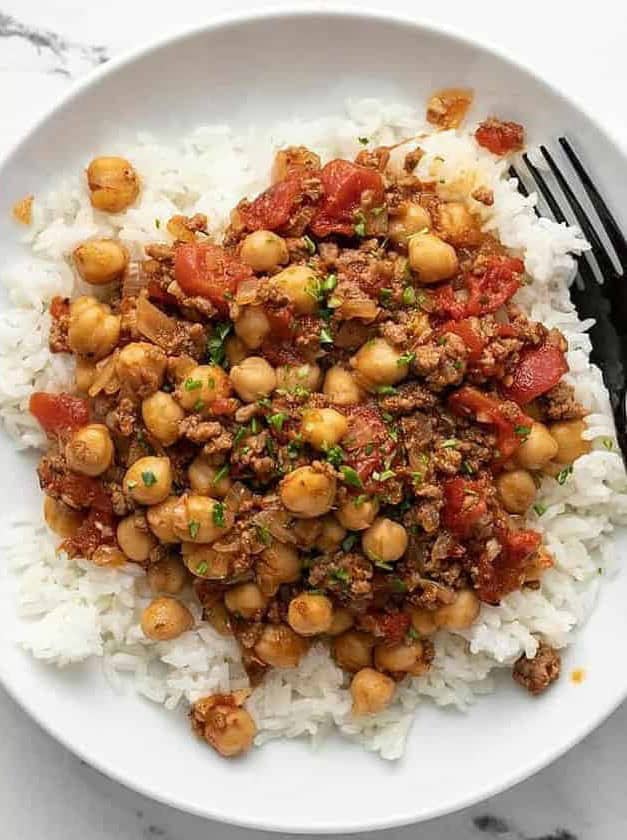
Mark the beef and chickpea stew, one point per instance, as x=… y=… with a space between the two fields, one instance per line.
x=330 y=425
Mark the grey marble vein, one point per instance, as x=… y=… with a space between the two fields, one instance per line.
x=60 y=54
x=497 y=828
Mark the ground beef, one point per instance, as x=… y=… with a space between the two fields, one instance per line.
x=347 y=576
x=537 y=674
x=441 y=363
x=408 y=398
x=560 y=404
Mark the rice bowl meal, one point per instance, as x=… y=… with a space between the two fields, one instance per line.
x=320 y=438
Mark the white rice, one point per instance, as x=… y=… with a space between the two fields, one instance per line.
x=73 y=610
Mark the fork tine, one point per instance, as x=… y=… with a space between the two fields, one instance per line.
x=598 y=249
x=603 y=211
x=548 y=196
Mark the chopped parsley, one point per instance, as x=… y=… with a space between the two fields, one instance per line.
x=202 y=568
x=608 y=443
x=386 y=390
x=293 y=448
x=348 y=542
x=359 y=500
x=222 y=473
x=523 y=431
x=325 y=336
x=381 y=564
x=351 y=476
x=157 y=223
x=405 y=358
x=335 y=455
x=562 y=476
x=409 y=296
x=385 y=296
x=539 y=508
x=131 y=484
x=239 y=435
x=254 y=426
x=363 y=140
x=417 y=477
x=341 y=574
x=384 y=476
x=264 y=402
x=450 y=443
x=413 y=634
x=398 y=585
x=310 y=244
x=466 y=468
x=191 y=384
x=218 y=514
x=198 y=405
x=149 y=478
x=264 y=534
x=215 y=343
x=193 y=528
x=329 y=283
x=277 y=420
x=360 y=228
x=369 y=449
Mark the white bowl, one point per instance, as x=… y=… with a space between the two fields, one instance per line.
x=261 y=68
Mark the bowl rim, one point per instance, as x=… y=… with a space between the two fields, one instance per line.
x=302 y=11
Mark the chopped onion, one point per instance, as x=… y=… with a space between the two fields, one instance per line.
x=277 y=522
x=247 y=292
x=363 y=308
x=134 y=281
x=106 y=379
x=155 y=324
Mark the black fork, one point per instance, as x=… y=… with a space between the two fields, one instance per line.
x=605 y=302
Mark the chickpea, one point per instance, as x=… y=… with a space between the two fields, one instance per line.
x=246 y=600
x=291 y=377
x=323 y=427
x=162 y=415
x=461 y=613
x=252 y=326
x=208 y=480
x=358 y=514
x=516 y=490
x=570 y=443
x=280 y=647
x=167 y=575
x=203 y=385
x=235 y=349
x=400 y=658
x=229 y=730
x=378 y=363
x=201 y=519
x=90 y=450
x=457 y=225
x=371 y=692
x=331 y=534
x=113 y=184
x=141 y=368
x=161 y=520
x=203 y=561
x=423 y=621
x=308 y=492
x=298 y=284
x=93 y=330
x=100 y=261
x=294 y=159
x=108 y=555
x=353 y=650
x=166 y=618
x=306 y=532
x=149 y=480
x=219 y=619
x=412 y=219
x=253 y=379
x=309 y=614
x=342 y=621
x=263 y=251
x=537 y=450
x=60 y=518
x=385 y=541
x=279 y=563
x=84 y=374
x=431 y=258
x=340 y=387
x=135 y=538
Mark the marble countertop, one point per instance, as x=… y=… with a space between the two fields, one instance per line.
x=49 y=793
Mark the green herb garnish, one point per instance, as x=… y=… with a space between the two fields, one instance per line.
x=363 y=140
x=381 y=564
x=562 y=475
x=341 y=574
x=222 y=473
x=608 y=443
x=539 y=508
x=215 y=344
x=348 y=542
x=398 y=585
x=202 y=569
x=193 y=528
x=450 y=443
x=522 y=431
x=218 y=514
x=335 y=455
x=329 y=283
x=239 y=435
x=351 y=476
x=264 y=534
x=149 y=478
x=192 y=384
x=405 y=358
x=409 y=296
x=254 y=426
x=277 y=420
x=385 y=296
x=325 y=336
x=310 y=244
x=386 y=389
x=198 y=405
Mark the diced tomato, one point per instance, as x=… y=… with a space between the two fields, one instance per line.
x=471 y=402
x=224 y=406
x=446 y=302
x=206 y=270
x=155 y=292
x=58 y=413
x=489 y=291
x=391 y=627
x=344 y=185
x=98 y=528
x=464 y=505
x=273 y=208
x=59 y=307
x=79 y=491
x=505 y=573
x=281 y=321
x=469 y=334
x=537 y=372
x=500 y=137
x=368 y=445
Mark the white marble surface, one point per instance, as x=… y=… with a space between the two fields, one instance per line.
x=44 y=44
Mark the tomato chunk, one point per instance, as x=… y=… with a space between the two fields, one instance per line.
x=58 y=413
x=391 y=627
x=508 y=423
x=273 y=208
x=469 y=334
x=464 y=505
x=98 y=528
x=538 y=371
x=206 y=270
x=500 y=137
x=506 y=572
x=499 y=282
x=344 y=184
